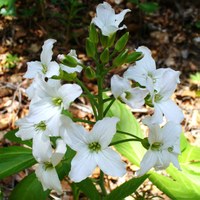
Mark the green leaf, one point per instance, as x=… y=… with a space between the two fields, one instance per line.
x=121 y=43
x=149 y=7
x=90 y=73
x=88 y=188
x=12 y=137
x=134 y=151
x=29 y=188
x=120 y=59
x=126 y=188
x=14 y=159
x=93 y=34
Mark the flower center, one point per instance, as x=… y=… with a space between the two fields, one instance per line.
x=44 y=69
x=94 y=146
x=156 y=146
x=152 y=77
x=40 y=126
x=170 y=149
x=57 y=101
x=48 y=165
x=157 y=97
x=128 y=95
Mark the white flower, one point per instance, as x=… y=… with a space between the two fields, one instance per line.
x=144 y=71
x=121 y=87
x=107 y=20
x=45 y=67
x=45 y=171
x=93 y=150
x=68 y=69
x=164 y=148
x=52 y=99
x=161 y=101
x=28 y=129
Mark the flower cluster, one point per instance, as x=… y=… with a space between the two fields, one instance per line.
x=52 y=131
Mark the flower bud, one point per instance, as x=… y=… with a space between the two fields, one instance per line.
x=134 y=56
x=93 y=34
x=145 y=143
x=121 y=58
x=107 y=41
x=67 y=60
x=90 y=73
x=104 y=57
x=121 y=43
x=90 y=48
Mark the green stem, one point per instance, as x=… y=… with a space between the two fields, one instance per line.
x=130 y=134
x=101 y=184
x=90 y=97
x=108 y=107
x=122 y=141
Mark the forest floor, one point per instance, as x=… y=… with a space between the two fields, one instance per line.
x=172 y=33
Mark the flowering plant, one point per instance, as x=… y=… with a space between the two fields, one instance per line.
x=60 y=146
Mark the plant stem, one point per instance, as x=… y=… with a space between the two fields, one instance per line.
x=101 y=184
x=130 y=134
x=108 y=107
x=122 y=141
x=90 y=97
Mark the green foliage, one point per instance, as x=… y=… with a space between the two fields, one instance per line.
x=7 y=7
x=29 y=188
x=14 y=159
x=11 y=61
x=147 y=7
x=121 y=43
x=126 y=189
x=195 y=77
x=197 y=24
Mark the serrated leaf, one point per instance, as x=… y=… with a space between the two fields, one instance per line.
x=14 y=159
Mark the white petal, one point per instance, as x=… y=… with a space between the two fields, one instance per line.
x=156 y=118
x=103 y=131
x=110 y=162
x=34 y=67
x=136 y=97
x=163 y=160
x=82 y=166
x=46 y=54
x=71 y=69
x=69 y=92
x=171 y=111
x=174 y=160
x=48 y=178
x=59 y=152
x=119 y=85
x=148 y=161
x=155 y=134
x=42 y=149
x=73 y=134
x=147 y=62
x=119 y=17
x=136 y=73
x=53 y=69
x=26 y=129
x=171 y=133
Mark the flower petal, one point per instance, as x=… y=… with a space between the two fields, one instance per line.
x=42 y=149
x=119 y=85
x=103 y=131
x=49 y=178
x=53 y=69
x=148 y=161
x=69 y=92
x=110 y=162
x=82 y=166
x=34 y=67
x=46 y=54
x=171 y=111
x=59 y=152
